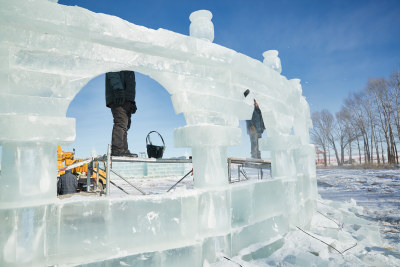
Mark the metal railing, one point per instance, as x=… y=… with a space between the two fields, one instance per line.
x=241 y=163
x=111 y=159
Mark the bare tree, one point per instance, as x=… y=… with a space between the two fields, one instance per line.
x=394 y=91
x=359 y=150
x=383 y=154
x=350 y=131
x=325 y=122
x=364 y=119
x=354 y=104
x=380 y=90
x=318 y=134
x=342 y=131
x=369 y=107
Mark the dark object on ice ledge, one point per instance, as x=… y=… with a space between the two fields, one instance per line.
x=152 y=150
x=246 y=93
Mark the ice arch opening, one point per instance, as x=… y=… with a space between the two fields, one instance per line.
x=155 y=112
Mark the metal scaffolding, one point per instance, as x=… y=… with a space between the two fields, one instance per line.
x=241 y=163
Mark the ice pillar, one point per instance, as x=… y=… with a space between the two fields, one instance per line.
x=28 y=182
x=209 y=143
x=28 y=173
x=205 y=133
x=211 y=166
x=29 y=157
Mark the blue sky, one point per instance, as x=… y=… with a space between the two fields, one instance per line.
x=334 y=47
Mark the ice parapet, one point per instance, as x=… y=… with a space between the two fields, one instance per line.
x=49 y=52
x=201 y=26
x=272 y=60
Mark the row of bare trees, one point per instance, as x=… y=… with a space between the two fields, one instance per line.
x=367 y=128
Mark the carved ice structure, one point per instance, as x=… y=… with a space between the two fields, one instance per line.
x=48 y=52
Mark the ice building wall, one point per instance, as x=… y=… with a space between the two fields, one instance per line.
x=48 y=52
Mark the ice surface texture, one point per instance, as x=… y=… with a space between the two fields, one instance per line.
x=48 y=52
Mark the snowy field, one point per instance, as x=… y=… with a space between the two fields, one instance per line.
x=358 y=215
x=355 y=207
x=377 y=191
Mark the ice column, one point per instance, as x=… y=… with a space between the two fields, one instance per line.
x=28 y=176
x=212 y=126
x=278 y=128
x=280 y=142
x=29 y=157
x=209 y=143
x=288 y=140
x=32 y=124
x=205 y=133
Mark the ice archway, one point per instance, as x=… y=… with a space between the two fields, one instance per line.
x=49 y=52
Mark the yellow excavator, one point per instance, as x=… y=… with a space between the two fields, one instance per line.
x=66 y=161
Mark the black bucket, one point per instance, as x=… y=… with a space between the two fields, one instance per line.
x=152 y=150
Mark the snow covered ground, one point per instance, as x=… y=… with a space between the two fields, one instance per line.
x=357 y=207
x=376 y=190
x=357 y=221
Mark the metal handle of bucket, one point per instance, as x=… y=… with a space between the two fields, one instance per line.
x=148 y=141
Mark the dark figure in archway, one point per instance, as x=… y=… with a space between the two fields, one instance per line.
x=120 y=97
x=67 y=183
x=255 y=128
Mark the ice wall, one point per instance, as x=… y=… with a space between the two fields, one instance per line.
x=48 y=52
x=185 y=228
